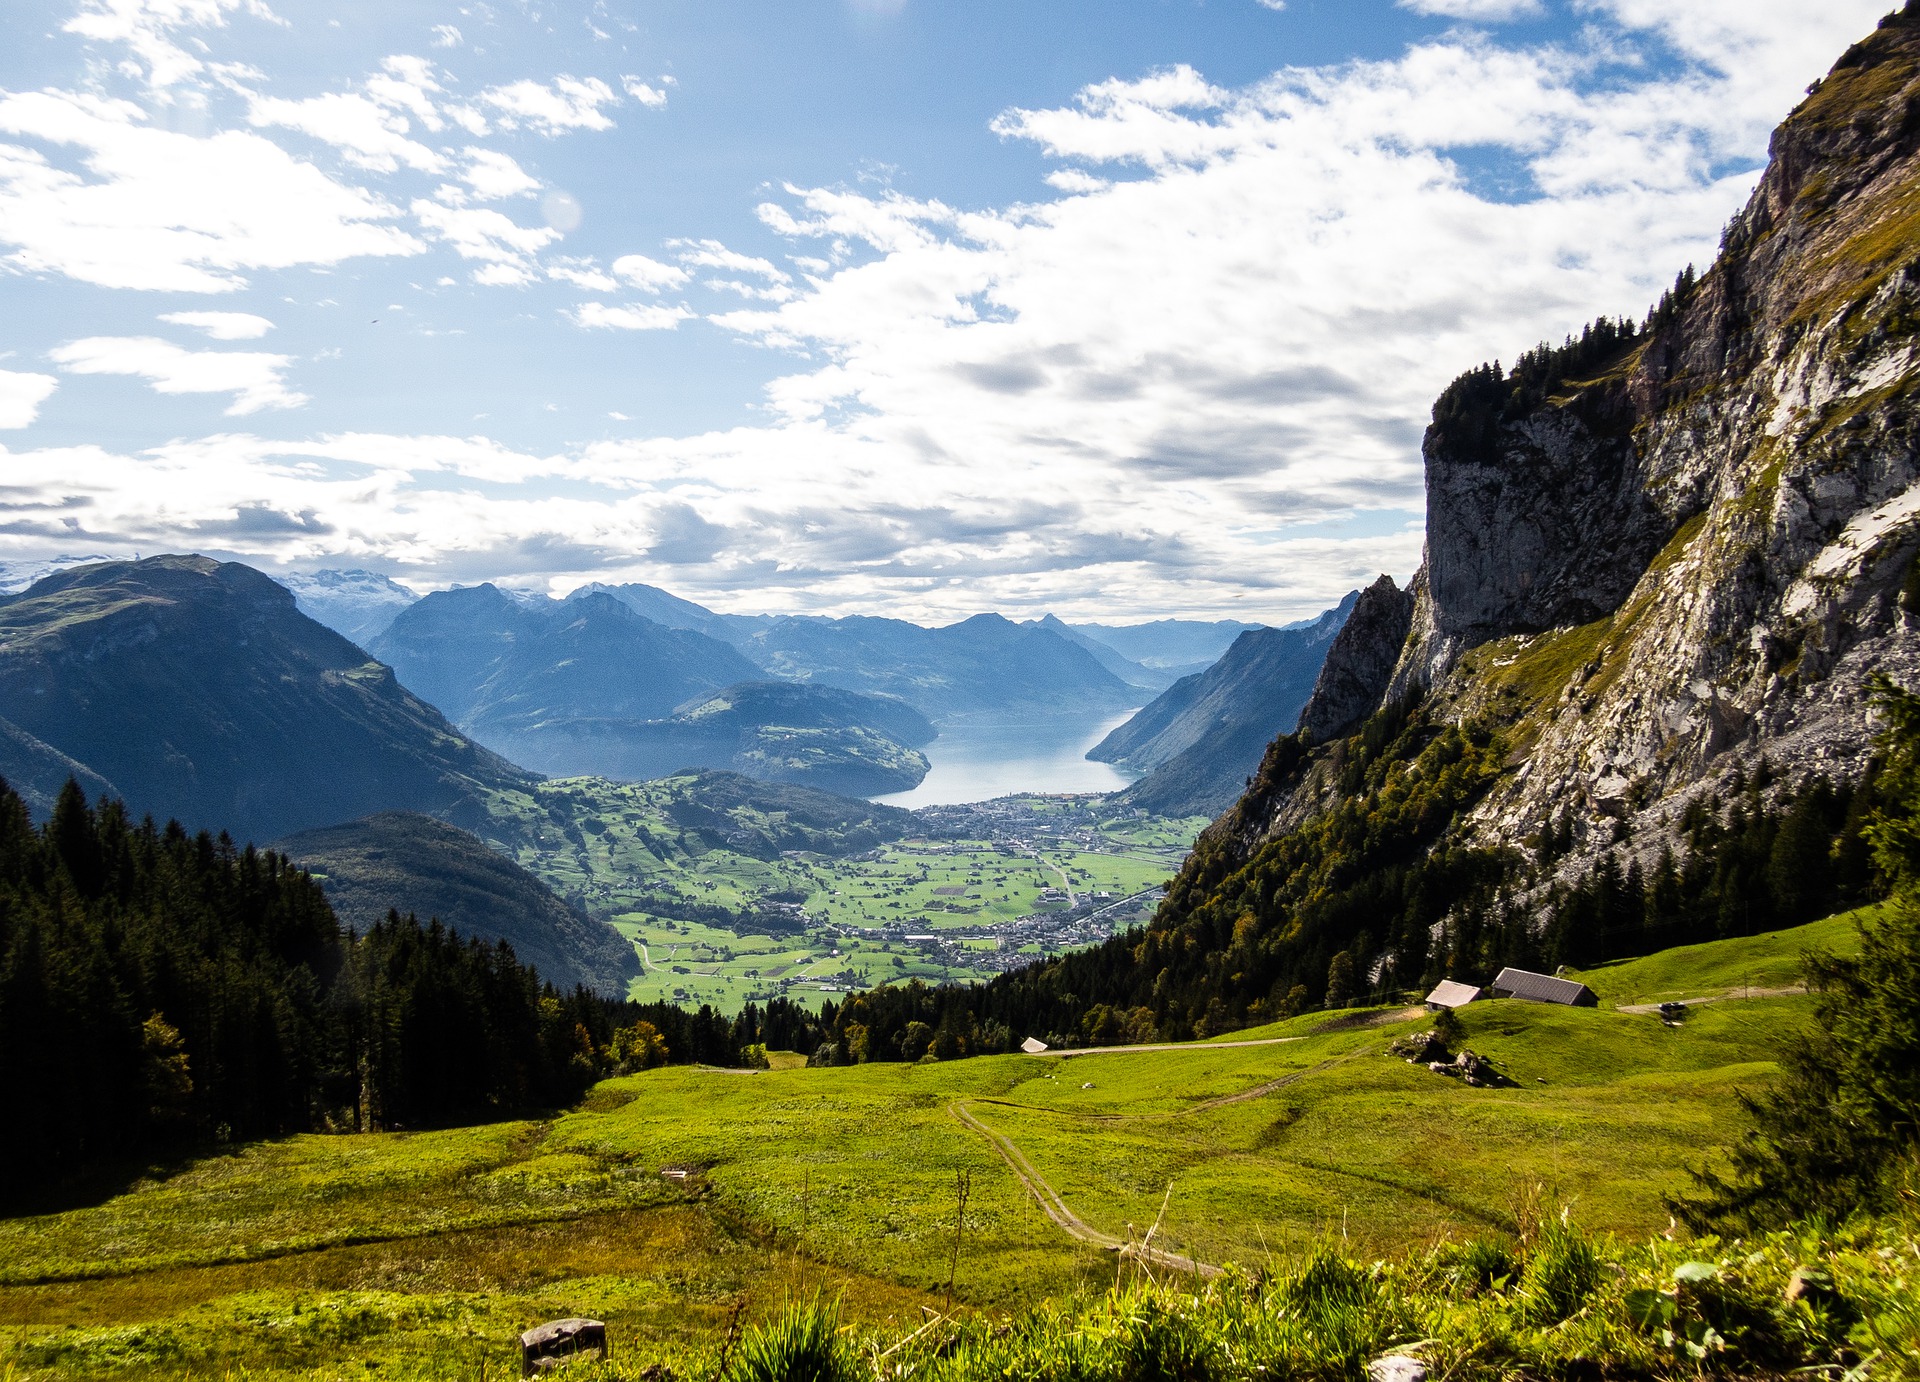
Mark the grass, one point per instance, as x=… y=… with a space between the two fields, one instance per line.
x=1716 y=968
x=423 y=1254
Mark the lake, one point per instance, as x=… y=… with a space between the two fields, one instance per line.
x=978 y=760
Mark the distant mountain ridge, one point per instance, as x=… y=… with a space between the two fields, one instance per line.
x=1201 y=739
x=357 y=604
x=197 y=690
x=815 y=736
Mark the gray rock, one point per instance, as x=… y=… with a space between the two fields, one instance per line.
x=1360 y=663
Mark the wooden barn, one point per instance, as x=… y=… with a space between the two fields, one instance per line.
x=1543 y=988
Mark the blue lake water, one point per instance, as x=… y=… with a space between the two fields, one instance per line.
x=978 y=760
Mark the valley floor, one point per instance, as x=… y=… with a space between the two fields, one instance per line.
x=425 y=1253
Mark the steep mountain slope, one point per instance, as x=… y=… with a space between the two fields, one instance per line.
x=1135 y=674
x=818 y=736
x=1633 y=706
x=983 y=667
x=1205 y=734
x=414 y=863
x=501 y=665
x=356 y=604
x=198 y=690
x=38 y=771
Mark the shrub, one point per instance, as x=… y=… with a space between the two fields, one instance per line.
x=1563 y=1268
x=802 y=1345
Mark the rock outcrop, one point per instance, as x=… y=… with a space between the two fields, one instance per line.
x=1361 y=662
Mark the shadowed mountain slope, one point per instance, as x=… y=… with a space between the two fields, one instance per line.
x=198 y=690
x=414 y=863
x=1203 y=736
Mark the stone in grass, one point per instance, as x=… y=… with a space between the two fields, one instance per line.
x=560 y=1342
x=1396 y=1367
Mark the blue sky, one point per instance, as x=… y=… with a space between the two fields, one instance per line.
x=1121 y=309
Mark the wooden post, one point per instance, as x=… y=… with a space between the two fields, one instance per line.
x=963 y=1185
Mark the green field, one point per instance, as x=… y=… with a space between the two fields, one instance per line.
x=399 y=1248
x=843 y=907
x=1736 y=966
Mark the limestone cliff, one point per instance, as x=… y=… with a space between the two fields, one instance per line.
x=1661 y=553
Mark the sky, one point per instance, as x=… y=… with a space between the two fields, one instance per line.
x=1122 y=309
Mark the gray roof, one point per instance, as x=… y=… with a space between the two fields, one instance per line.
x=1542 y=988
x=1450 y=993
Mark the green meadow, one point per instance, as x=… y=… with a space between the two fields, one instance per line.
x=671 y=1197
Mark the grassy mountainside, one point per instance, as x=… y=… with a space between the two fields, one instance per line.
x=844 y=1177
x=413 y=863
x=200 y=692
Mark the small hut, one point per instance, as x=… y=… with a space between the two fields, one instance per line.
x=1449 y=993
x=1543 y=988
x=1033 y=1046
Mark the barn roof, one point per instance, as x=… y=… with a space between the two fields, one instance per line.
x=1543 y=988
x=1449 y=993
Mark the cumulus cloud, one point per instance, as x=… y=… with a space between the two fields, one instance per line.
x=256 y=380
x=155 y=209
x=1494 y=11
x=222 y=326
x=651 y=96
x=504 y=248
x=493 y=176
x=637 y=317
x=649 y=274
x=1195 y=372
x=551 y=108
x=147 y=29
x=21 y=395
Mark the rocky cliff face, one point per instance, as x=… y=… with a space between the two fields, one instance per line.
x=1662 y=553
x=1360 y=663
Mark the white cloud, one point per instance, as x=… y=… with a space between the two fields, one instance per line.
x=582 y=273
x=652 y=97
x=147 y=27
x=637 y=317
x=222 y=326
x=711 y=254
x=21 y=395
x=367 y=133
x=505 y=247
x=1272 y=4
x=445 y=36
x=494 y=176
x=155 y=209
x=1194 y=374
x=255 y=380
x=649 y=274
x=568 y=103
x=1494 y=11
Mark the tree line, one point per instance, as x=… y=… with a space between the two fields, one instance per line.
x=163 y=989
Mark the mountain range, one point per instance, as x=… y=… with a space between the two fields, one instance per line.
x=197 y=690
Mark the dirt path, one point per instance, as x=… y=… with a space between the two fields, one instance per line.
x=1056 y=1208
x=1168 y=1046
x=1730 y=996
